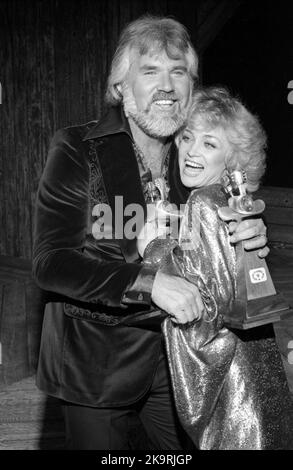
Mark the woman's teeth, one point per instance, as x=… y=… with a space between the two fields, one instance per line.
x=195 y=165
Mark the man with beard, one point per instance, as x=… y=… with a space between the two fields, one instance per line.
x=110 y=375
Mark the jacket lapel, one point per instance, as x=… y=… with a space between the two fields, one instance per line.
x=113 y=144
x=122 y=182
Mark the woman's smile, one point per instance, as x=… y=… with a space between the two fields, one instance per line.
x=202 y=155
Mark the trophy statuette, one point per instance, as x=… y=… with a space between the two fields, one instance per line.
x=257 y=302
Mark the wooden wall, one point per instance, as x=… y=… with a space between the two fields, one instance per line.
x=278 y=214
x=54 y=60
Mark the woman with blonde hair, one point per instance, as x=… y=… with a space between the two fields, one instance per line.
x=229 y=386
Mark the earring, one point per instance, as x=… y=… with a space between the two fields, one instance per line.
x=226 y=182
x=118 y=89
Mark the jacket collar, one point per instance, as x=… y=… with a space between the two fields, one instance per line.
x=114 y=122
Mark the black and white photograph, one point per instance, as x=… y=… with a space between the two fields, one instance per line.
x=146 y=247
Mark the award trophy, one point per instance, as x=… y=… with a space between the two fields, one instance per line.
x=257 y=302
x=159 y=208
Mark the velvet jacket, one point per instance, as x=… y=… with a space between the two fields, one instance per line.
x=83 y=357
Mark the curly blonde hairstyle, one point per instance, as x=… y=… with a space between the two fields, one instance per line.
x=217 y=107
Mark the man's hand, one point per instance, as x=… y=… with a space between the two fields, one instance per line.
x=252 y=232
x=178 y=297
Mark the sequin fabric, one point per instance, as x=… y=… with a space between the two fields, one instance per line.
x=229 y=386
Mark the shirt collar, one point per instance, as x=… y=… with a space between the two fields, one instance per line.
x=114 y=122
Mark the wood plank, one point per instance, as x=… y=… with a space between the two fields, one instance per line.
x=11 y=399
x=14 y=333
x=26 y=411
x=27 y=384
x=48 y=443
x=279 y=216
x=28 y=429
x=276 y=196
x=18 y=403
x=280 y=233
x=16 y=264
x=12 y=275
x=29 y=419
x=21 y=313
x=280 y=264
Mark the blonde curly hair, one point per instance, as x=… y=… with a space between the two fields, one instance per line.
x=217 y=107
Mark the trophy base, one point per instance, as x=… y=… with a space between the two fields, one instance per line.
x=257 y=312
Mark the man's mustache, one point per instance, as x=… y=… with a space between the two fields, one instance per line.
x=163 y=95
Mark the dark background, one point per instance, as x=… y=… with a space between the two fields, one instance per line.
x=54 y=60
x=253 y=55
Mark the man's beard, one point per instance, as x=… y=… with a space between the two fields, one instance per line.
x=155 y=123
